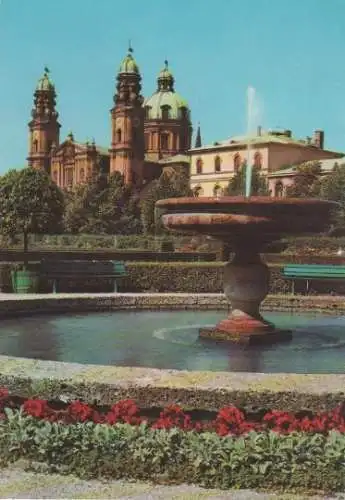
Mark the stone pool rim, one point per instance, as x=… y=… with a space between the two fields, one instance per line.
x=152 y=387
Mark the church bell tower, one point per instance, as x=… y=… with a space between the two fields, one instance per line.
x=44 y=128
x=127 y=149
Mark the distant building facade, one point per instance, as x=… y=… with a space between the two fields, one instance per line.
x=213 y=166
x=145 y=133
x=280 y=180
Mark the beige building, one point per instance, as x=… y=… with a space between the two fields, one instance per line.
x=213 y=166
x=280 y=180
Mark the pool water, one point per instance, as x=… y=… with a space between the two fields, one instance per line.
x=169 y=339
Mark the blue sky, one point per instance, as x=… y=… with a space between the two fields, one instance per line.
x=292 y=52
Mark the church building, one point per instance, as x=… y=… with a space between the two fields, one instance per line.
x=147 y=135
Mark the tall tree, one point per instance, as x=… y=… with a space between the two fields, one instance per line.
x=103 y=206
x=237 y=184
x=307 y=182
x=30 y=202
x=173 y=183
x=333 y=188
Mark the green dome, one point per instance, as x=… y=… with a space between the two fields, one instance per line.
x=165 y=73
x=166 y=98
x=129 y=64
x=173 y=101
x=45 y=82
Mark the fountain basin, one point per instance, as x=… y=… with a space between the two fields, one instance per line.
x=152 y=387
x=246 y=224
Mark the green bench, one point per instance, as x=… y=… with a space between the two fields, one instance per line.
x=58 y=270
x=309 y=272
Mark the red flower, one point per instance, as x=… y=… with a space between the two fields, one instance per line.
x=80 y=411
x=36 y=407
x=125 y=408
x=3 y=393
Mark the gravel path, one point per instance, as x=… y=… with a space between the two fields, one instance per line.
x=14 y=483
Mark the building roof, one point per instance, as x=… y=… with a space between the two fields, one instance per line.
x=326 y=167
x=264 y=137
x=174 y=159
x=165 y=96
x=45 y=83
x=82 y=146
x=129 y=64
x=158 y=100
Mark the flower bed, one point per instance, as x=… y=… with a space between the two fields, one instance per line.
x=229 y=420
x=271 y=449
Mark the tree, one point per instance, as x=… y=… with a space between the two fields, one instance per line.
x=30 y=202
x=237 y=184
x=307 y=183
x=104 y=206
x=333 y=189
x=173 y=183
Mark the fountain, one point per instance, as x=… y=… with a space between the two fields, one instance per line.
x=246 y=224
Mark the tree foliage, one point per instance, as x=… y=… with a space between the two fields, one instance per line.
x=333 y=188
x=307 y=182
x=30 y=202
x=237 y=184
x=103 y=206
x=173 y=183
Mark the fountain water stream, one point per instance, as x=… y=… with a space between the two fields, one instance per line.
x=250 y=118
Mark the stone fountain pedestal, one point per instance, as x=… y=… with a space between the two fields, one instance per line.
x=247 y=225
x=246 y=284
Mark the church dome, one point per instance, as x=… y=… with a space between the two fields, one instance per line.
x=129 y=64
x=45 y=82
x=165 y=102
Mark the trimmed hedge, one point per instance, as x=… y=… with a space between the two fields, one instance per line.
x=255 y=460
x=173 y=277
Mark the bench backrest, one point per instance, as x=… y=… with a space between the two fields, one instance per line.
x=73 y=267
x=314 y=271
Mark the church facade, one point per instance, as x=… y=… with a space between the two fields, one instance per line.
x=147 y=135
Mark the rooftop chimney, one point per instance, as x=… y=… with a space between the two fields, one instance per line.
x=259 y=131
x=319 y=138
x=287 y=133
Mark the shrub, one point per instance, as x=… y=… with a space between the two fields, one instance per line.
x=124 y=446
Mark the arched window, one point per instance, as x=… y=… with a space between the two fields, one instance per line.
x=35 y=146
x=55 y=176
x=199 y=166
x=147 y=141
x=82 y=175
x=217 y=164
x=198 y=191
x=279 y=189
x=118 y=135
x=184 y=112
x=164 y=141
x=237 y=162
x=258 y=160
x=165 y=112
x=217 y=190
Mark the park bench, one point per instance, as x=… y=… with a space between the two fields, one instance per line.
x=310 y=272
x=58 y=270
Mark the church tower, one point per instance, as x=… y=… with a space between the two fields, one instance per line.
x=168 y=128
x=44 y=129
x=127 y=149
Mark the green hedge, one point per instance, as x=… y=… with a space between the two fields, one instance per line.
x=255 y=460
x=173 y=277
x=192 y=277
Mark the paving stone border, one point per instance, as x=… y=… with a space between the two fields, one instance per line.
x=154 y=387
